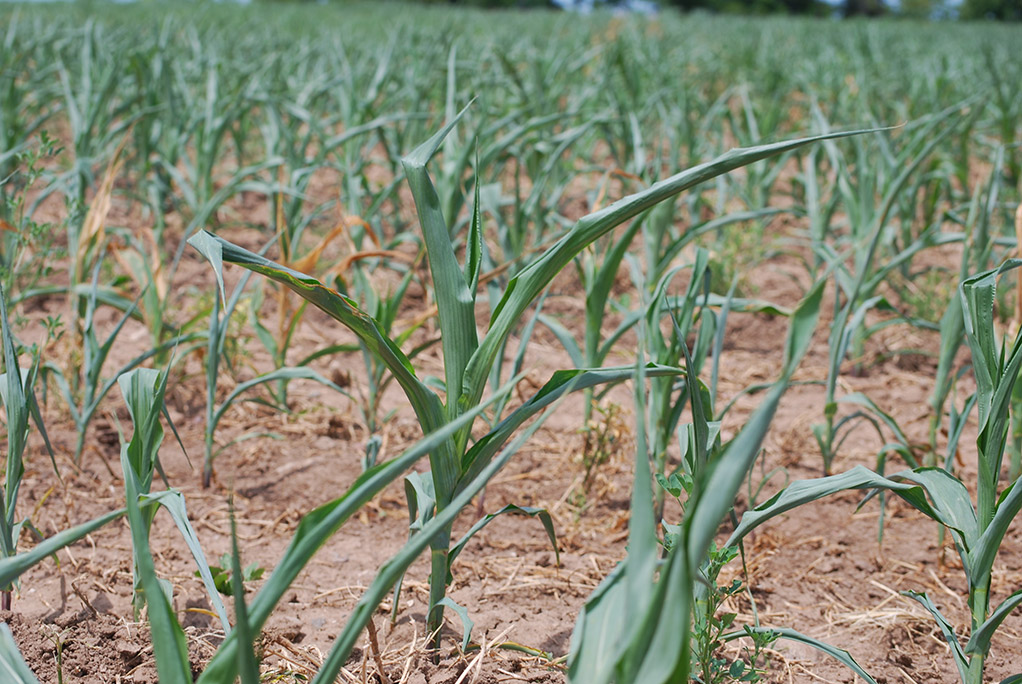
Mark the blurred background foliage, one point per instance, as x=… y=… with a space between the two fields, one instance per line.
x=995 y=10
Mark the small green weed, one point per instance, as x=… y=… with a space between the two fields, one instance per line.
x=709 y=626
x=26 y=246
x=222 y=575
x=601 y=439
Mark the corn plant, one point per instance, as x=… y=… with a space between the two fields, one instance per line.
x=667 y=397
x=248 y=666
x=977 y=530
x=636 y=625
x=314 y=530
x=157 y=76
x=976 y=255
x=857 y=287
x=97 y=111
x=17 y=390
x=83 y=393
x=143 y=390
x=467 y=359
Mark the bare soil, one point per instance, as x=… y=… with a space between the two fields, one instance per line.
x=820 y=569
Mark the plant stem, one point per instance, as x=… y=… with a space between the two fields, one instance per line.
x=979 y=602
x=439 y=568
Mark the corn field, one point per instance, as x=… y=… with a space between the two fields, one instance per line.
x=375 y=342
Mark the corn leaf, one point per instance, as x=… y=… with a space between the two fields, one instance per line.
x=541 y=513
x=321 y=523
x=286 y=373
x=598 y=632
x=979 y=640
x=804 y=491
x=425 y=402
x=455 y=300
x=466 y=622
x=526 y=286
x=996 y=370
x=13 y=567
x=248 y=666
x=982 y=555
x=950 y=502
x=143 y=390
x=838 y=654
x=946 y=629
x=12 y=664
x=174 y=503
x=16 y=404
x=560 y=383
x=394 y=568
x=169 y=645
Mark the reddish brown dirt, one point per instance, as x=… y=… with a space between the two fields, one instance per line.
x=818 y=569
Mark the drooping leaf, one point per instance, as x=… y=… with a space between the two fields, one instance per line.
x=541 y=513
x=804 y=491
x=979 y=640
x=466 y=622
x=173 y=502
x=838 y=654
x=526 y=286
x=317 y=526
x=947 y=629
x=13 y=567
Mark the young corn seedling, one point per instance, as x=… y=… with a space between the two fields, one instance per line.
x=667 y=397
x=856 y=288
x=83 y=391
x=977 y=530
x=636 y=626
x=468 y=360
x=320 y=524
x=141 y=259
x=976 y=255
x=17 y=390
x=143 y=390
x=697 y=315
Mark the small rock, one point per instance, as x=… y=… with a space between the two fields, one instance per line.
x=127 y=650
